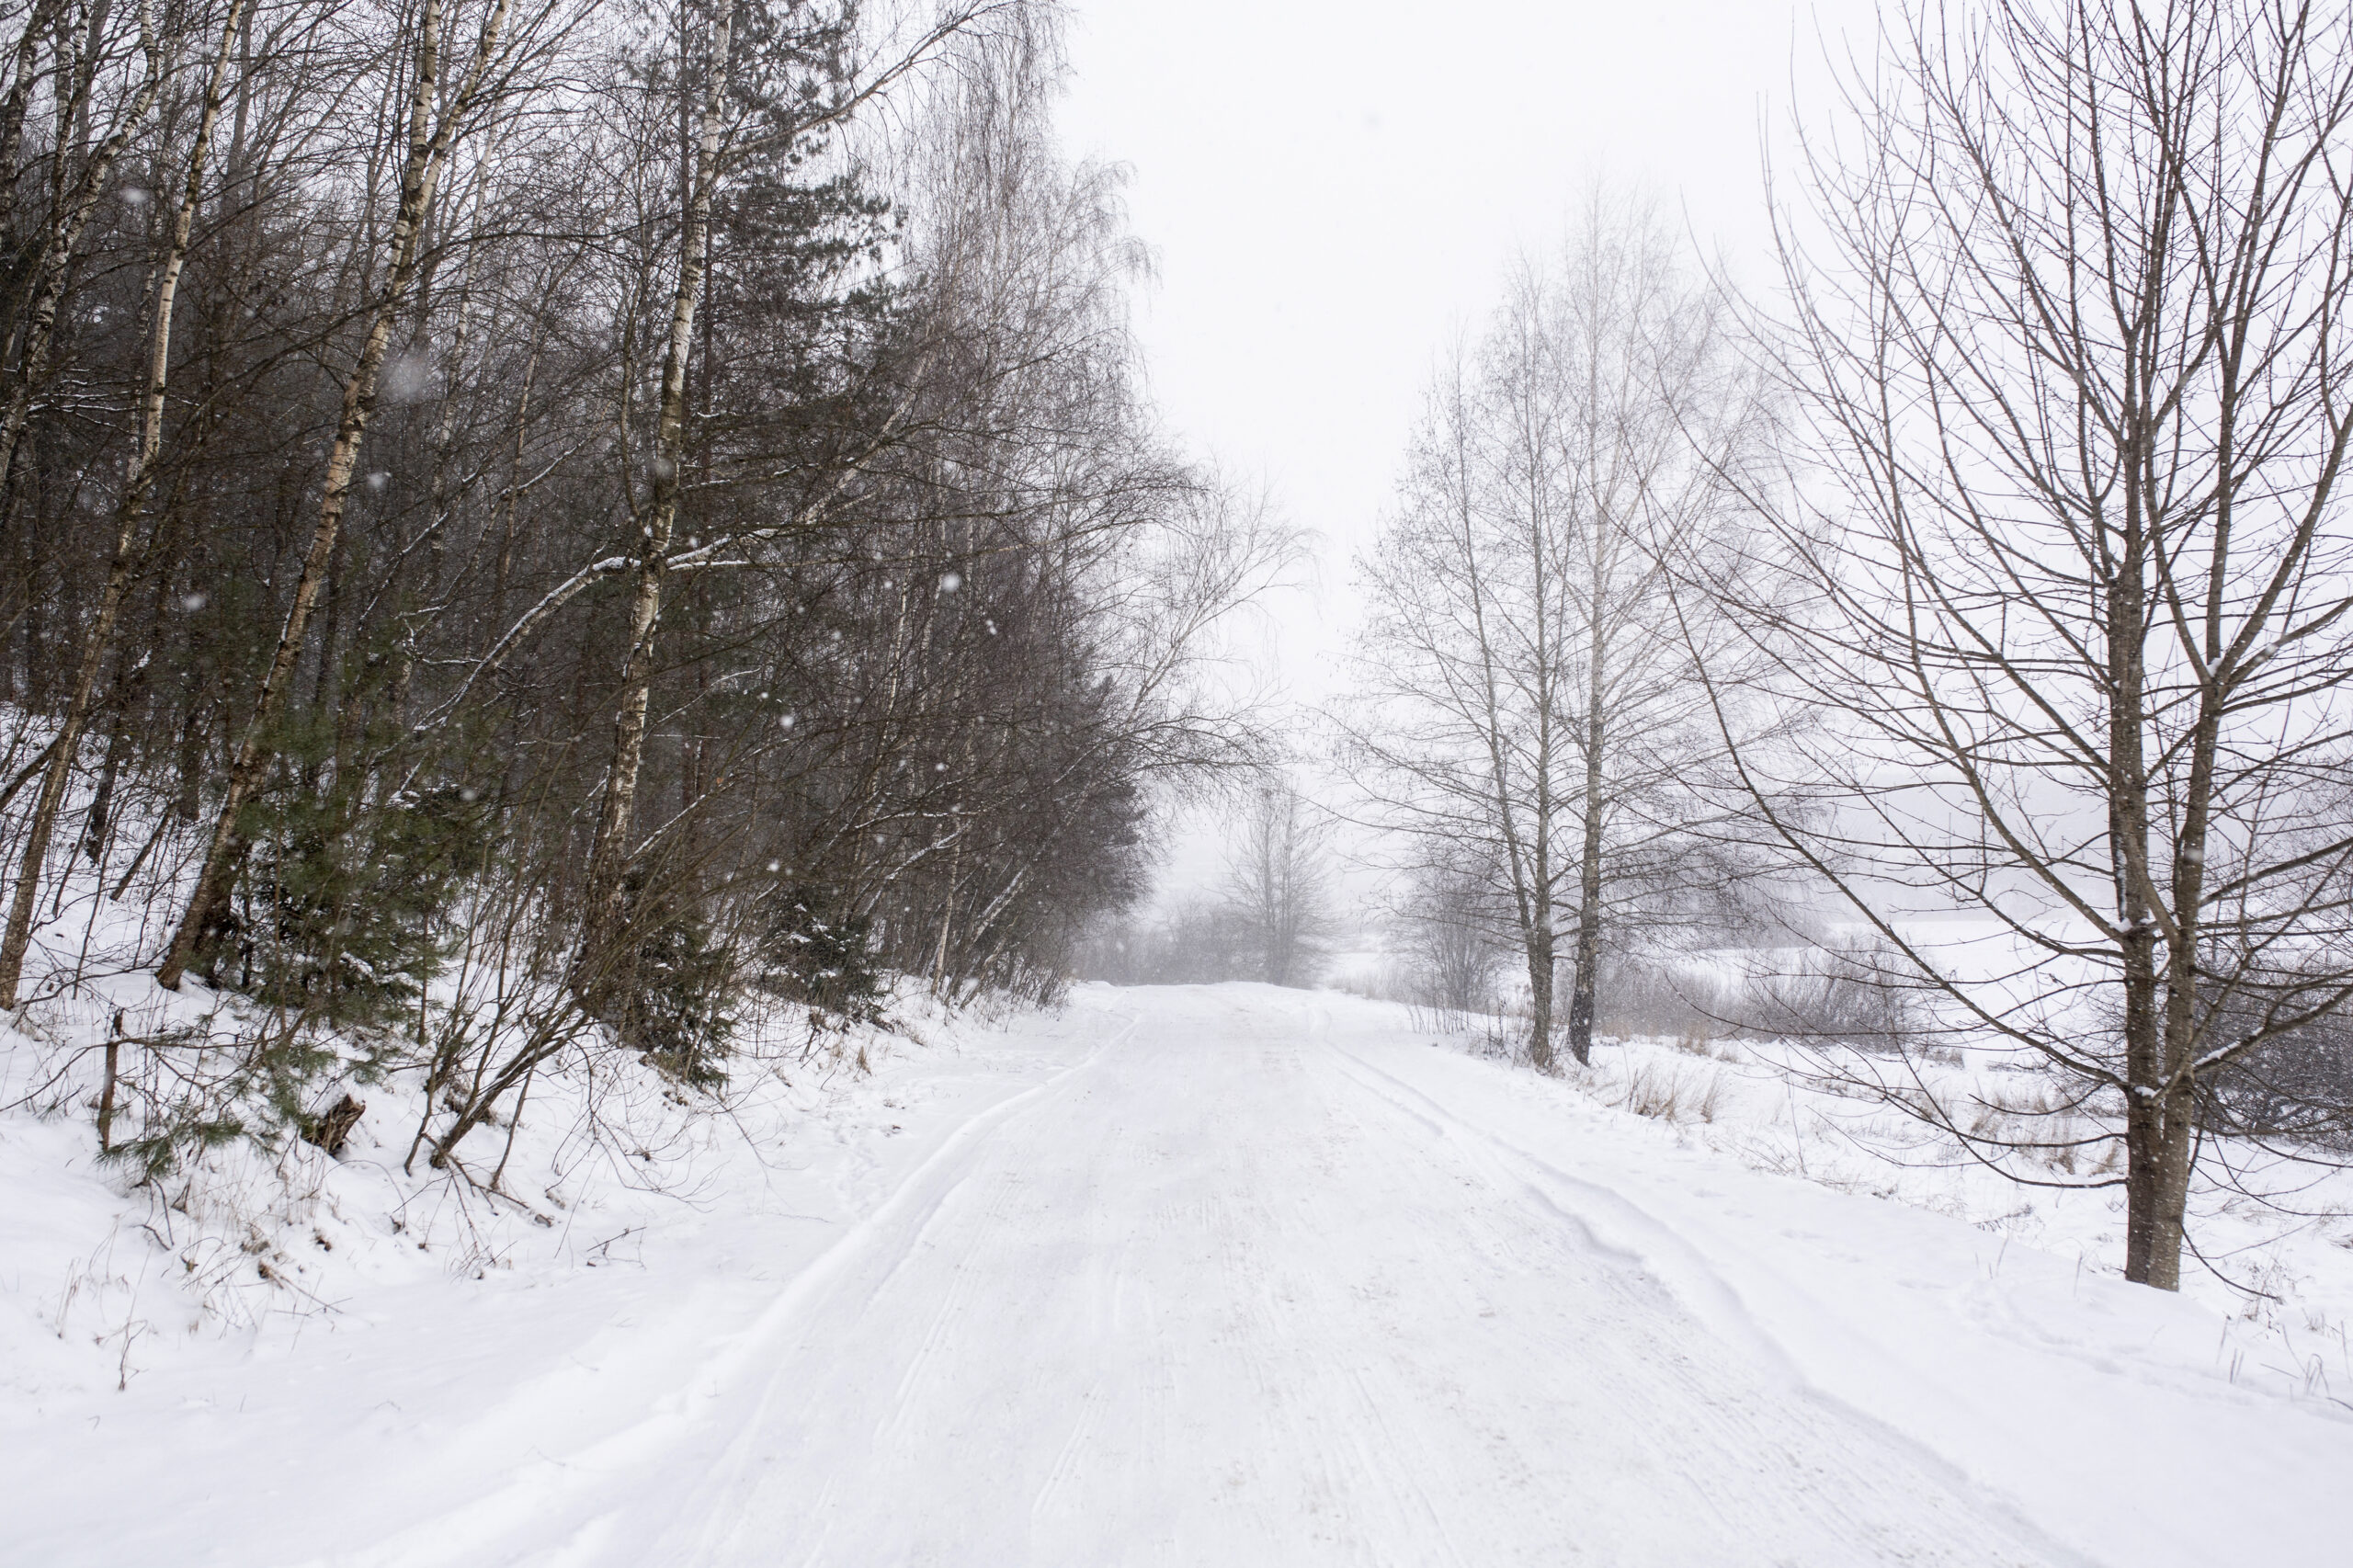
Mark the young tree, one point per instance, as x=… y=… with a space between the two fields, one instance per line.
x=1454 y=936
x=2068 y=572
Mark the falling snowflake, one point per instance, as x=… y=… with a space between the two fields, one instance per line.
x=407 y=379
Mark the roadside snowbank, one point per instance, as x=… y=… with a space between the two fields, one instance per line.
x=2274 y=1238
x=338 y=1323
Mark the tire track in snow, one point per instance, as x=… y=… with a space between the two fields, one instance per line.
x=1243 y=1301
x=897 y=1225
x=568 y=1489
x=1684 y=1275
x=963 y=1281
x=1066 y=1462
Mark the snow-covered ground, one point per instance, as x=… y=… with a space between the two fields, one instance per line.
x=2271 y=1229
x=1222 y=1275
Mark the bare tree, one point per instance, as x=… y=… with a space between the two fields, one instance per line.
x=439 y=111
x=1278 y=882
x=1454 y=933
x=1528 y=690
x=2069 y=570
x=82 y=44
x=130 y=519
x=487 y=462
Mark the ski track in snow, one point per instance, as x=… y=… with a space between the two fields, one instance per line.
x=1229 y=1291
x=1216 y=1296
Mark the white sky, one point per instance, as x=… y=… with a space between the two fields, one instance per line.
x=1333 y=190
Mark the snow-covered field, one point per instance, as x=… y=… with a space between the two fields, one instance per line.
x=2271 y=1229
x=1222 y=1275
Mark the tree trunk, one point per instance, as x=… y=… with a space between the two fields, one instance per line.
x=38 y=20
x=428 y=148
x=2153 y=1139
x=1585 y=979
x=1540 y=996
x=55 y=249
x=608 y=859
x=18 y=936
x=2151 y=1248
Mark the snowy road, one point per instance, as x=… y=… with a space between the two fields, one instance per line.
x=1221 y=1277
x=1231 y=1293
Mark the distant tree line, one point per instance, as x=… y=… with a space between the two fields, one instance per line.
x=1270 y=916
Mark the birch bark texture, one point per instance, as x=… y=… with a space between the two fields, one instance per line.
x=749 y=81
x=656 y=514
x=80 y=44
x=430 y=136
x=129 y=521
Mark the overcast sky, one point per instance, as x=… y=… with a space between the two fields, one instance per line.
x=1332 y=189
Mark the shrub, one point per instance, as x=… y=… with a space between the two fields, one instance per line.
x=343 y=908
x=817 y=956
x=676 y=1007
x=1851 y=995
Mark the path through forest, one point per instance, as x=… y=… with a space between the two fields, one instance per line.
x=1234 y=1277
x=1230 y=1294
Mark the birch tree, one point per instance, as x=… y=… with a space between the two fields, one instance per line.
x=439 y=111
x=749 y=80
x=131 y=511
x=2069 y=566
x=83 y=45
x=1529 y=694
x=1278 y=881
x=435 y=510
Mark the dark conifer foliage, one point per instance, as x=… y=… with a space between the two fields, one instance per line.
x=664 y=482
